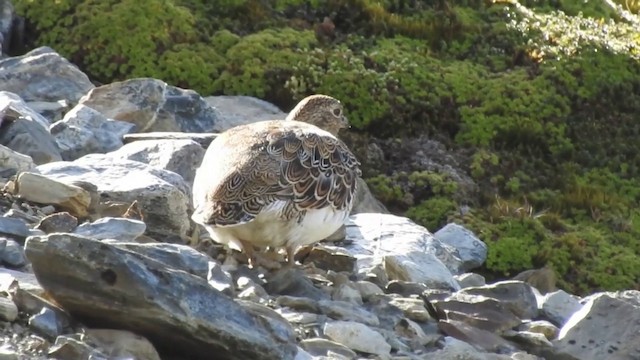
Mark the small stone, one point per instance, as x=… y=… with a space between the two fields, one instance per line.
x=482 y=339
x=68 y=348
x=367 y=289
x=45 y=323
x=341 y=310
x=558 y=306
x=412 y=308
x=298 y=303
x=543 y=279
x=471 y=250
x=122 y=344
x=323 y=347
x=543 y=327
x=358 y=337
x=8 y=309
x=293 y=282
x=220 y=279
x=515 y=295
x=410 y=330
x=330 y=258
x=470 y=279
x=299 y=318
x=13 y=255
x=347 y=292
x=58 y=222
x=41 y=189
x=120 y=229
x=13 y=227
x=405 y=288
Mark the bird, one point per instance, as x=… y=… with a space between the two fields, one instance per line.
x=278 y=183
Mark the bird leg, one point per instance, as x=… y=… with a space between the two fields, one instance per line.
x=291 y=260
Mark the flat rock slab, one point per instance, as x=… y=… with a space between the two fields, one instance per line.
x=106 y=286
x=203 y=139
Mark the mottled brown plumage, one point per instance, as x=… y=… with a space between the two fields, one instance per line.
x=278 y=183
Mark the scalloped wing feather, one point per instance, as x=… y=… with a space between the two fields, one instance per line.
x=299 y=163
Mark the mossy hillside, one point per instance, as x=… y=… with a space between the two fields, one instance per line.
x=543 y=97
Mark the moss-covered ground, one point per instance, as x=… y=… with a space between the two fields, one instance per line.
x=543 y=96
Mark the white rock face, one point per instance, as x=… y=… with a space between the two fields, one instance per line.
x=241 y=110
x=162 y=195
x=407 y=251
x=357 y=336
x=559 y=306
x=471 y=250
x=14 y=160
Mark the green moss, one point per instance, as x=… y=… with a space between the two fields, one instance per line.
x=432 y=213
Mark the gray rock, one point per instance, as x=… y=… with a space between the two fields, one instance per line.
x=457 y=349
x=357 y=336
x=240 y=110
x=176 y=256
x=348 y=293
x=517 y=296
x=8 y=309
x=13 y=227
x=477 y=311
x=84 y=130
x=25 y=131
x=14 y=161
x=405 y=288
x=323 y=347
x=342 y=310
x=13 y=255
x=558 y=306
x=413 y=332
x=182 y=157
x=8 y=352
x=543 y=327
x=68 y=347
x=481 y=339
x=367 y=289
x=543 y=279
x=58 y=222
x=153 y=105
x=50 y=110
x=120 y=229
x=220 y=279
x=471 y=250
x=470 y=279
x=99 y=277
x=45 y=323
x=330 y=258
x=293 y=282
x=118 y=344
x=412 y=308
x=43 y=75
x=365 y=202
x=604 y=328
x=7 y=15
x=162 y=195
x=203 y=139
x=407 y=251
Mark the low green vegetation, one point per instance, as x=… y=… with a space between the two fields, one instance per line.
x=542 y=98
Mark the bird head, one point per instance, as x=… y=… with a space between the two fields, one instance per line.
x=322 y=111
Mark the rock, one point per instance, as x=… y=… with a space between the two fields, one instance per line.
x=13 y=227
x=13 y=255
x=50 y=110
x=365 y=202
x=342 y=310
x=543 y=279
x=240 y=110
x=357 y=336
x=470 y=280
x=162 y=195
x=477 y=311
x=298 y=303
x=25 y=131
x=43 y=75
x=405 y=288
x=203 y=139
x=153 y=105
x=293 y=282
x=348 y=293
x=530 y=341
x=68 y=348
x=481 y=339
x=14 y=161
x=515 y=295
x=220 y=279
x=176 y=256
x=49 y=190
x=471 y=250
x=120 y=229
x=8 y=353
x=7 y=16
x=543 y=327
x=330 y=257
x=605 y=327
x=412 y=331
x=58 y=222
x=8 y=310
x=182 y=157
x=558 y=306
x=122 y=344
x=45 y=323
x=412 y=308
x=162 y=307
x=367 y=289
x=84 y=130
x=407 y=251
x=457 y=349
x=27 y=281
x=324 y=347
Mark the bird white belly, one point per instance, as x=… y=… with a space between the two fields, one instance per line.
x=269 y=228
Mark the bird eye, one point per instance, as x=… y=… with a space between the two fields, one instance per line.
x=337 y=112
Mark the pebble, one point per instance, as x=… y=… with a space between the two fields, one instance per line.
x=357 y=336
